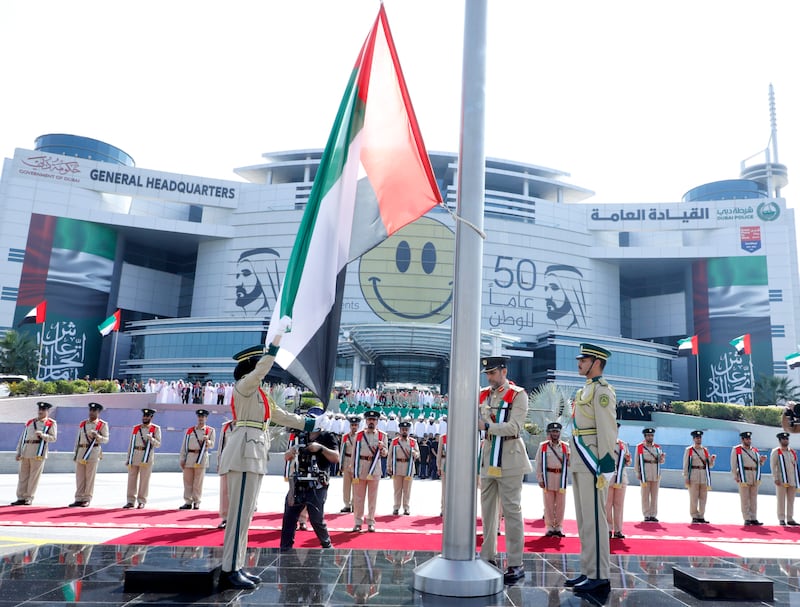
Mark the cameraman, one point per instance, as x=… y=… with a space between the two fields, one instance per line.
x=309 y=459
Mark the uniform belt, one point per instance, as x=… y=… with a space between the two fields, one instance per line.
x=699 y=467
x=555 y=470
x=83 y=444
x=139 y=448
x=366 y=457
x=348 y=454
x=648 y=461
x=249 y=424
x=194 y=450
x=401 y=460
x=31 y=442
x=749 y=467
x=585 y=432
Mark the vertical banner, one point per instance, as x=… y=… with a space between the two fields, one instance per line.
x=68 y=261
x=736 y=294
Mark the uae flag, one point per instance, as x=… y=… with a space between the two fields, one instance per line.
x=742 y=344
x=110 y=324
x=688 y=346
x=36 y=315
x=793 y=360
x=375 y=136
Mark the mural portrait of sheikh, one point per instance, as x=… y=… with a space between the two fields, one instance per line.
x=565 y=300
x=258 y=281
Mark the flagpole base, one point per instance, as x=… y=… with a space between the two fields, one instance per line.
x=448 y=577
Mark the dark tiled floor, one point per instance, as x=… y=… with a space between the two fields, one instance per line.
x=53 y=575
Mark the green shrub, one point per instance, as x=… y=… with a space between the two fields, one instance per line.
x=64 y=386
x=80 y=386
x=722 y=411
x=103 y=386
x=766 y=416
x=47 y=388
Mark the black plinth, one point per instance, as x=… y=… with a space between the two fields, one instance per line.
x=727 y=583
x=195 y=576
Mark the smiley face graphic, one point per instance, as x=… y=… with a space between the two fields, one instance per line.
x=409 y=276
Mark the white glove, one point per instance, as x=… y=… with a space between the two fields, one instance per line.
x=284 y=325
x=609 y=476
x=319 y=422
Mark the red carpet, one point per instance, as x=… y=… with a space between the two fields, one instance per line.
x=198 y=528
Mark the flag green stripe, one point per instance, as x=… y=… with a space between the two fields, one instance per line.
x=349 y=122
x=92 y=238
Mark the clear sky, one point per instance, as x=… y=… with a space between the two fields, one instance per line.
x=638 y=101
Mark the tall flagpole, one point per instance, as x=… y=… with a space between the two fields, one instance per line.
x=752 y=381
x=457 y=572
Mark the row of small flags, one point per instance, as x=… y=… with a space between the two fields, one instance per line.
x=38 y=315
x=689 y=346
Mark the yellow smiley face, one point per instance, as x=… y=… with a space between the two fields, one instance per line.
x=409 y=276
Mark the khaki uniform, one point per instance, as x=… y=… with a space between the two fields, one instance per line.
x=367 y=473
x=594 y=438
x=647 y=464
x=552 y=466
x=194 y=458
x=32 y=450
x=503 y=464
x=87 y=455
x=346 y=466
x=783 y=463
x=746 y=470
x=244 y=460
x=615 y=502
x=141 y=455
x=223 y=481
x=402 y=454
x=697 y=463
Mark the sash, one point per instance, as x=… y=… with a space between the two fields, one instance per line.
x=409 y=460
x=264 y=401
x=203 y=449
x=148 y=447
x=640 y=449
x=375 y=453
x=705 y=458
x=619 y=469
x=42 y=446
x=785 y=472
x=584 y=396
x=87 y=454
x=500 y=416
x=562 y=486
x=740 y=453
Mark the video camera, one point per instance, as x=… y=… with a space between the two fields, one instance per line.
x=794 y=414
x=307 y=468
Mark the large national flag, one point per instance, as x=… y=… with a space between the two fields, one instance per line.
x=793 y=360
x=376 y=132
x=109 y=324
x=688 y=346
x=742 y=344
x=37 y=315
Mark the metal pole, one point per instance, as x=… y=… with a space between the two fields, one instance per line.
x=41 y=345
x=697 y=372
x=114 y=355
x=457 y=572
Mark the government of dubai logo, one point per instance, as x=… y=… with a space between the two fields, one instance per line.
x=768 y=211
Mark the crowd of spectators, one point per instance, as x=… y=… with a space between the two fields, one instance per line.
x=640 y=410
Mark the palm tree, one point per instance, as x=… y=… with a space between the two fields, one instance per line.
x=19 y=354
x=772 y=389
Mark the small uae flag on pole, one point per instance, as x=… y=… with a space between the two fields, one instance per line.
x=110 y=324
x=742 y=344
x=688 y=346
x=37 y=315
x=793 y=360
